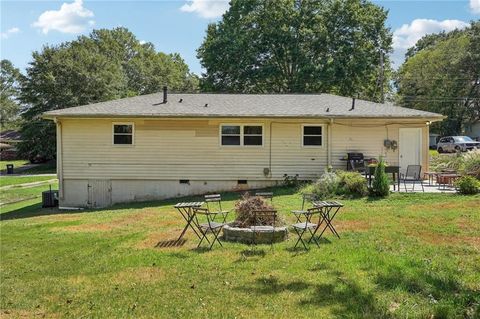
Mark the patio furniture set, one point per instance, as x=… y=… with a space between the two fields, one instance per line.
x=413 y=174
x=317 y=218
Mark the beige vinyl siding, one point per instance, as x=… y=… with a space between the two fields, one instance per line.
x=173 y=149
x=185 y=149
x=368 y=137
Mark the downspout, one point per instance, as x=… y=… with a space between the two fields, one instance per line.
x=329 y=143
x=59 y=158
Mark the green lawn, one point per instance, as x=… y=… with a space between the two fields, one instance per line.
x=408 y=256
x=16 y=194
x=43 y=168
x=16 y=163
x=16 y=180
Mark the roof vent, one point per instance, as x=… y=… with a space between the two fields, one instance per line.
x=180 y=101
x=353 y=104
x=206 y=104
x=165 y=94
x=327 y=110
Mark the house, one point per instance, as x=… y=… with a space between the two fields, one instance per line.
x=473 y=130
x=8 y=141
x=433 y=140
x=164 y=145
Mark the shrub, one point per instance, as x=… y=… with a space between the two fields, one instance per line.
x=352 y=184
x=467 y=185
x=327 y=185
x=443 y=162
x=290 y=181
x=471 y=163
x=244 y=211
x=381 y=184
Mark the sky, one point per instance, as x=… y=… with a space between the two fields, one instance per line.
x=179 y=25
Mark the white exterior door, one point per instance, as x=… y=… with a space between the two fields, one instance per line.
x=410 y=147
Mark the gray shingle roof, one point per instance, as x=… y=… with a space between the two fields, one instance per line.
x=241 y=105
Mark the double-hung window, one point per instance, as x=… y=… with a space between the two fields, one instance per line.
x=122 y=133
x=312 y=135
x=241 y=135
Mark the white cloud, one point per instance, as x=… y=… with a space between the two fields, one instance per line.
x=71 y=18
x=475 y=6
x=9 y=32
x=206 y=8
x=408 y=34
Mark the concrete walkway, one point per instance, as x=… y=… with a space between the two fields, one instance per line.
x=433 y=188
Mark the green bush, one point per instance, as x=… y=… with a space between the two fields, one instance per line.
x=327 y=185
x=467 y=185
x=381 y=183
x=471 y=163
x=352 y=184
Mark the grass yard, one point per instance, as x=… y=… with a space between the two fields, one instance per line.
x=16 y=194
x=16 y=163
x=43 y=168
x=16 y=180
x=408 y=256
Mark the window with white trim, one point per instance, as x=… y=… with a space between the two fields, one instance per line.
x=241 y=135
x=123 y=134
x=312 y=135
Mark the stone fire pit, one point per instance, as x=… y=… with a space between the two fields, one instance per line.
x=245 y=235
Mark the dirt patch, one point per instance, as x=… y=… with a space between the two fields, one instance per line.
x=17 y=313
x=351 y=225
x=138 y=275
x=447 y=240
x=143 y=220
x=445 y=206
x=153 y=240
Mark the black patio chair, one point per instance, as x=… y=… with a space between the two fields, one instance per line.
x=264 y=222
x=414 y=175
x=265 y=195
x=302 y=227
x=214 y=205
x=211 y=226
x=306 y=198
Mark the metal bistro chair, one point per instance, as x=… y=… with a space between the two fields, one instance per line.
x=210 y=200
x=211 y=226
x=302 y=227
x=413 y=174
x=306 y=198
x=262 y=218
x=265 y=195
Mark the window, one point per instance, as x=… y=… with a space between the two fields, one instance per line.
x=241 y=135
x=230 y=135
x=123 y=134
x=312 y=135
x=252 y=135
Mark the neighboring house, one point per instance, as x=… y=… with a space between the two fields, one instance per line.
x=146 y=147
x=433 y=140
x=473 y=130
x=8 y=140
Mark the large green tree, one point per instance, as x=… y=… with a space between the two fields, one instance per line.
x=9 y=90
x=105 y=65
x=442 y=74
x=263 y=46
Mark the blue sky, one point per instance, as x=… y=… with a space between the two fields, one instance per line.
x=179 y=26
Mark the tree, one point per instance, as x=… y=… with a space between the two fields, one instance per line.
x=106 y=65
x=297 y=46
x=10 y=107
x=442 y=74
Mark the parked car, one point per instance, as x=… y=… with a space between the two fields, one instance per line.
x=456 y=144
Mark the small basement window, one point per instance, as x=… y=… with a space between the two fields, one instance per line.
x=312 y=135
x=184 y=181
x=123 y=133
x=242 y=182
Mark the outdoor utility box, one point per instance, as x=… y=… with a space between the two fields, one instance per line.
x=50 y=198
x=9 y=168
